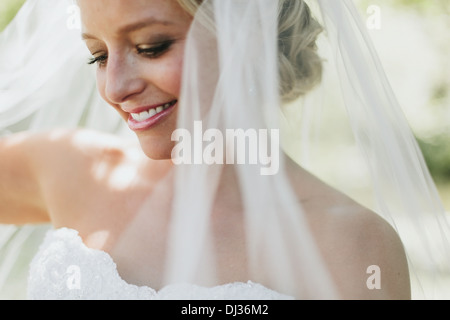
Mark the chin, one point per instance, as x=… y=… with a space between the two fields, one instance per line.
x=157 y=151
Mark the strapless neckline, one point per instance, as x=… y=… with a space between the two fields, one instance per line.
x=65 y=268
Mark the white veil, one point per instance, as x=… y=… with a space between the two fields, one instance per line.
x=231 y=82
x=403 y=191
x=44 y=83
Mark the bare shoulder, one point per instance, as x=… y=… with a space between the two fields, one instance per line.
x=75 y=148
x=364 y=253
x=81 y=141
x=74 y=165
x=78 y=152
x=38 y=166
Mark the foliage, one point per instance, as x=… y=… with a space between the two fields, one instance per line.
x=437 y=155
x=8 y=9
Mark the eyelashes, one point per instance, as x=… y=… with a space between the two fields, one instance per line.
x=100 y=60
x=156 y=50
x=153 y=51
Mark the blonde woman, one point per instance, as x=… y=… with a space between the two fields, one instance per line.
x=128 y=222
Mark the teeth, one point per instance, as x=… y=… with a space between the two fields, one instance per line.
x=148 y=114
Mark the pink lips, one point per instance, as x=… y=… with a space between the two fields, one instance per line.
x=136 y=125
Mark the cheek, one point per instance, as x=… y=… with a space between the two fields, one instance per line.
x=166 y=75
x=160 y=78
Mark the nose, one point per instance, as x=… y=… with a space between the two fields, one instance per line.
x=122 y=79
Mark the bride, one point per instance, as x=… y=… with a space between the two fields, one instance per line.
x=183 y=213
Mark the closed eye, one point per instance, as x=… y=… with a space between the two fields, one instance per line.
x=100 y=60
x=156 y=50
x=150 y=51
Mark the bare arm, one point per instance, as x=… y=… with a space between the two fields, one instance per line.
x=20 y=194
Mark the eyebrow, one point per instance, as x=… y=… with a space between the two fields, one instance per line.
x=132 y=27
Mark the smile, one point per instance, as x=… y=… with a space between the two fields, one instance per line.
x=145 y=115
x=149 y=118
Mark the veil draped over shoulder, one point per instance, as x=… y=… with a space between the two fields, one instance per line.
x=241 y=123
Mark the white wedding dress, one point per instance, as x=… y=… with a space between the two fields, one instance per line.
x=66 y=269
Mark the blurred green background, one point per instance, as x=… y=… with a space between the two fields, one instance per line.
x=8 y=9
x=414 y=46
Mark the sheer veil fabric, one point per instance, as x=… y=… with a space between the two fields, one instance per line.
x=44 y=83
x=238 y=132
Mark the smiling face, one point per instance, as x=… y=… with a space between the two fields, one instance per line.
x=138 y=47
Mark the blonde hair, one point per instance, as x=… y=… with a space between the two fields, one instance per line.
x=190 y=5
x=300 y=66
